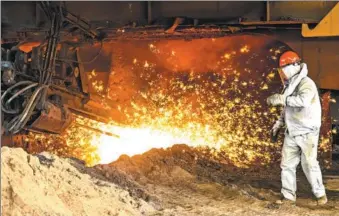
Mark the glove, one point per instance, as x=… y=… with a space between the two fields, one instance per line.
x=276 y=100
x=274 y=136
x=275 y=131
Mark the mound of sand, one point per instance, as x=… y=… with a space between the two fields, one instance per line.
x=166 y=182
x=48 y=185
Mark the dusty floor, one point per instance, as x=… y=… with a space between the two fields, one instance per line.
x=182 y=182
x=176 y=181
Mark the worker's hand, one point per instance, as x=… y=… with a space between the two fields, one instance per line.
x=275 y=133
x=275 y=130
x=276 y=100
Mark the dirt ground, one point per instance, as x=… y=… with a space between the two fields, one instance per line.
x=176 y=181
x=184 y=182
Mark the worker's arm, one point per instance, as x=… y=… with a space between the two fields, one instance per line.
x=304 y=97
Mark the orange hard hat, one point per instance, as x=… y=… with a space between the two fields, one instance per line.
x=288 y=58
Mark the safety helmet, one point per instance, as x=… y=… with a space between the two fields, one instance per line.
x=288 y=58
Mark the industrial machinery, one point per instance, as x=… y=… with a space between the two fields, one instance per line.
x=47 y=49
x=41 y=81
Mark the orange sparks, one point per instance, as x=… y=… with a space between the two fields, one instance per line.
x=222 y=110
x=264 y=87
x=227 y=56
x=244 y=49
x=271 y=75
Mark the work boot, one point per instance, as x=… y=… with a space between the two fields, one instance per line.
x=285 y=201
x=322 y=200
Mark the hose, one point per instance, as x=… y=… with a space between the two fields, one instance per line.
x=19 y=121
x=27 y=113
x=7 y=91
x=20 y=92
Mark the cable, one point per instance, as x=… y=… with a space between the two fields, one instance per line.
x=29 y=109
x=19 y=92
x=16 y=123
x=7 y=91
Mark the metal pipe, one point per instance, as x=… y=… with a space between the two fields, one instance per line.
x=268 y=11
x=98 y=130
x=8 y=54
x=149 y=12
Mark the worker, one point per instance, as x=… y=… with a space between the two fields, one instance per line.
x=302 y=117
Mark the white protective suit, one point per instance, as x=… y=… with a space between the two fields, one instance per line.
x=302 y=117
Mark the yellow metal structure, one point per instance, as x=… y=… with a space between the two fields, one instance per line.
x=328 y=26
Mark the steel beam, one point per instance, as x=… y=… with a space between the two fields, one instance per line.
x=328 y=26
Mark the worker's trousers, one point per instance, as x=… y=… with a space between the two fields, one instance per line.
x=303 y=147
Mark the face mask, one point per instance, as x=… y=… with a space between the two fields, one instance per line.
x=289 y=71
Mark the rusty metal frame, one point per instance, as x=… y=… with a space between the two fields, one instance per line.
x=151 y=32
